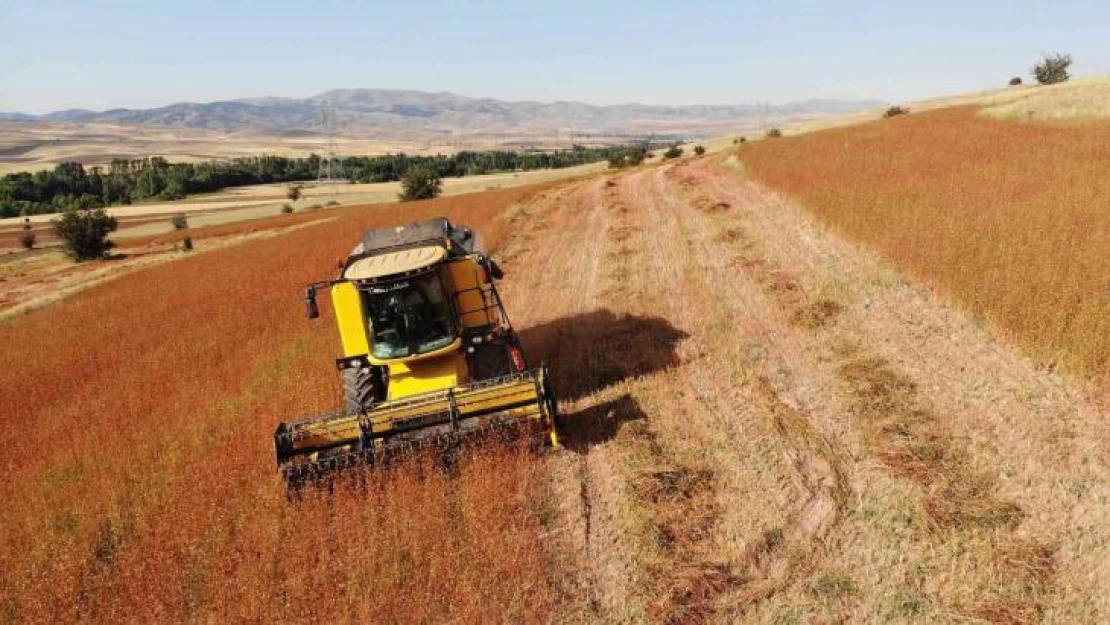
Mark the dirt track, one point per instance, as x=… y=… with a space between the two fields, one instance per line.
x=765 y=422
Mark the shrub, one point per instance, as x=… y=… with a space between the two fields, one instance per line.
x=179 y=221
x=1015 y=81
x=894 y=111
x=616 y=161
x=636 y=156
x=743 y=139
x=673 y=152
x=187 y=244
x=293 y=192
x=332 y=203
x=84 y=232
x=1053 y=69
x=27 y=239
x=699 y=150
x=286 y=208
x=774 y=133
x=419 y=183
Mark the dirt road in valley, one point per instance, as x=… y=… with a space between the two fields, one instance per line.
x=763 y=421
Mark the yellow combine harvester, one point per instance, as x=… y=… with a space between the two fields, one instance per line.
x=428 y=354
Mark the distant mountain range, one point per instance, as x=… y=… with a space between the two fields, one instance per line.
x=384 y=110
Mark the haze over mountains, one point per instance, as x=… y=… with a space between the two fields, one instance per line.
x=361 y=110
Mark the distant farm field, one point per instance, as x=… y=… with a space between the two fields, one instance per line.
x=1011 y=219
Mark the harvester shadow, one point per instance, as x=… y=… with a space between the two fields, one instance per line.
x=591 y=351
x=581 y=430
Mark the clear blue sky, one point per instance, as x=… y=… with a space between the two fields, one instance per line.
x=112 y=53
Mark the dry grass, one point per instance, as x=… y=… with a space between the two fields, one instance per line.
x=1009 y=219
x=1078 y=100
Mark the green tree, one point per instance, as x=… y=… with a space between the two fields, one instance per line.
x=294 y=192
x=84 y=232
x=672 y=152
x=420 y=183
x=1053 y=69
x=699 y=150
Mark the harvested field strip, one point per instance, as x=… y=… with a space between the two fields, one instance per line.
x=241 y=227
x=962 y=513
x=1008 y=218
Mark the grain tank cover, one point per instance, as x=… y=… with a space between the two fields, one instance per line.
x=396 y=263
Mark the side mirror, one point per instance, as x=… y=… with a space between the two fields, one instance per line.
x=495 y=270
x=310 y=306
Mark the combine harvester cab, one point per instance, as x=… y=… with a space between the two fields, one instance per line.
x=429 y=355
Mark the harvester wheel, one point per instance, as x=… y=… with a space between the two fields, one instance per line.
x=362 y=388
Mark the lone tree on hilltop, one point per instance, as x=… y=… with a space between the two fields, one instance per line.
x=84 y=232
x=1053 y=69
x=699 y=150
x=895 y=111
x=774 y=133
x=1015 y=81
x=420 y=183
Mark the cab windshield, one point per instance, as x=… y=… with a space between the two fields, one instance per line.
x=408 y=317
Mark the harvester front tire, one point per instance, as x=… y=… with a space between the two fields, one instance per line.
x=362 y=388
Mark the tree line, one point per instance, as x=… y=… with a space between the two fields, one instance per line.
x=124 y=181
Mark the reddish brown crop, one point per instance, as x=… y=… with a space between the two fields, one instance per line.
x=138 y=473
x=1012 y=219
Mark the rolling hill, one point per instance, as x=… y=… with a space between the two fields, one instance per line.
x=362 y=109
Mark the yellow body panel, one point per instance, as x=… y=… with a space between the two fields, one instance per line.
x=413 y=377
x=473 y=297
x=347 y=302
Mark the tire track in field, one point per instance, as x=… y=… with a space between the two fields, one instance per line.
x=1009 y=570
x=559 y=261
x=772 y=558
x=661 y=546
